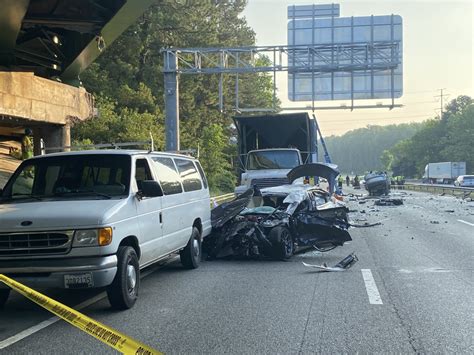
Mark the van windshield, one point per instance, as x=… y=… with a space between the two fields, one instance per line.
x=273 y=159
x=70 y=177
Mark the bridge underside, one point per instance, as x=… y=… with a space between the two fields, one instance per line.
x=44 y=46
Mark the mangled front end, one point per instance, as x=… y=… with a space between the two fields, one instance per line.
x=274 y=222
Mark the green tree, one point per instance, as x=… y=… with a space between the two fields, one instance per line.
x=361 y=150
x=214 y=161
x=449 y=139
x=128 y=80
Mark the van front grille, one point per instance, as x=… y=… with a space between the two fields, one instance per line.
x=35 y=243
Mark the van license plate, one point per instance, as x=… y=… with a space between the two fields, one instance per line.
x=78 y=281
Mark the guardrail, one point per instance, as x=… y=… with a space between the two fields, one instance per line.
x=464 y=192
x=217 y=200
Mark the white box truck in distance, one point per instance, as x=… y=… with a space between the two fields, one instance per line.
x=444 y=172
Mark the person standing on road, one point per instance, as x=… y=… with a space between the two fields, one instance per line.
x=348 y=180
x=340 y=181
x=26 y=145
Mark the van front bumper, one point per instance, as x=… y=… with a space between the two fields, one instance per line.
x=52 y=273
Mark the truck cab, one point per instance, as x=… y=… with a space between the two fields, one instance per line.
x=270 y=145
x=268 y=167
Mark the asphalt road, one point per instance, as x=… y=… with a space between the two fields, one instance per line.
x=421 y=260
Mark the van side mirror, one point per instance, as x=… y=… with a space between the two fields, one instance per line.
x=150 y=188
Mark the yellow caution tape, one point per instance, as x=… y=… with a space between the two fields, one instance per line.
x=105 y=334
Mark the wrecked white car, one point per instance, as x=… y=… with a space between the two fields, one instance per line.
x=273 y=222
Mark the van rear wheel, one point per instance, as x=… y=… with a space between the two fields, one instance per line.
x=4 y=293
x=190 y=256
x=123 y=292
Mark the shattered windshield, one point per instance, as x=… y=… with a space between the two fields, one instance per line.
x=70 y=177
x=273 y=159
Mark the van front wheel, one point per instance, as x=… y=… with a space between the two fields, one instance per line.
x=123 y=292
x=4 y=293
x=190 y=256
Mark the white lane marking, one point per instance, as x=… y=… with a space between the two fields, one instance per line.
x=40 y=326
x=36 y=328
x=465 y=222
x=371 y=287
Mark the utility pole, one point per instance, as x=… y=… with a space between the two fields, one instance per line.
x=441 y=96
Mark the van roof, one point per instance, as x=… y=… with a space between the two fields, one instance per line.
x=130 y=152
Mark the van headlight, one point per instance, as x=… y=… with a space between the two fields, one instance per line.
x=92 y=237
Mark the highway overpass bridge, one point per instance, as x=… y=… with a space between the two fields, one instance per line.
x=44 y=46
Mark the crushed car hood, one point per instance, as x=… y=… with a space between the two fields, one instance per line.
x=327 y=171
x=221 y=214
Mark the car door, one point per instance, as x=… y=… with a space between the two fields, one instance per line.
x=149 y=215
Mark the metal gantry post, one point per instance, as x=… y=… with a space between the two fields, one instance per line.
x=170 y=69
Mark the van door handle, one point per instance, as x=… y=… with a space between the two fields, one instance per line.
x=161 y=217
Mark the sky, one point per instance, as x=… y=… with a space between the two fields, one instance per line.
x=438 y=53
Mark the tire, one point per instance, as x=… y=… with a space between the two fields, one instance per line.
x=190 y=256
x=283 y=243
x=4 y=293
x=123 y=292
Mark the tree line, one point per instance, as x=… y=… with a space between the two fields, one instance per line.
x=405 y=149
x=359 y=151
x=446 y=138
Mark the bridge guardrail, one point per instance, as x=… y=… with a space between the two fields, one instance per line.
x=464 y=192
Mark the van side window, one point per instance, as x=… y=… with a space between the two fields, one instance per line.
x=142 y=172
x=201 y=172
x=189 y=175
x=169 y=178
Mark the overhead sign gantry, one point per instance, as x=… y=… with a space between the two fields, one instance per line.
x=332 y=59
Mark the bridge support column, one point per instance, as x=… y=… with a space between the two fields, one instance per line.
x=53 y=136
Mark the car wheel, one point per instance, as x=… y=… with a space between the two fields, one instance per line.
x=4 y=293
x=123 y=292
x=283 y=243
x=190 y=256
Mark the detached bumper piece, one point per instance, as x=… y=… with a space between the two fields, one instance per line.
x=342 y=265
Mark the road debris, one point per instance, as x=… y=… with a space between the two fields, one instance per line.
x=343 y=265
x=365 y=225
x=389 y=202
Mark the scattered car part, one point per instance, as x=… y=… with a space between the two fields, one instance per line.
x=389 y=202
x=343 y=265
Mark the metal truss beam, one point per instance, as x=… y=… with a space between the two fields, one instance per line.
x=294 y=59
x=312 y=59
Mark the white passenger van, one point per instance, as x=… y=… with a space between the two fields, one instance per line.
x=95 y=218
